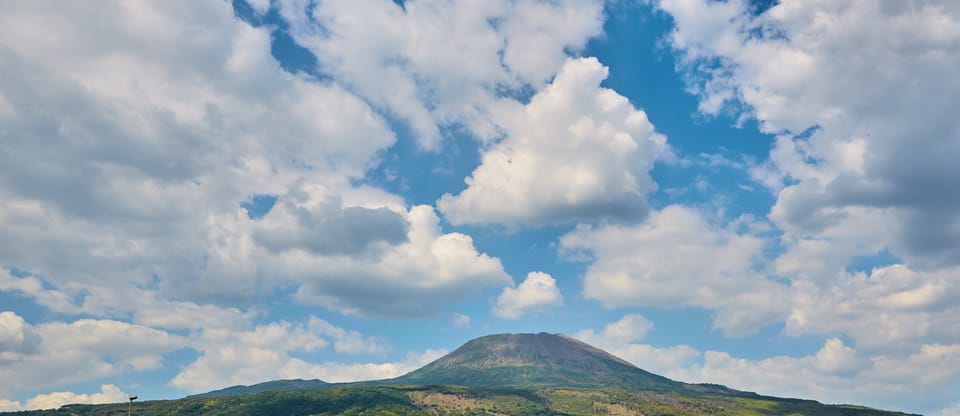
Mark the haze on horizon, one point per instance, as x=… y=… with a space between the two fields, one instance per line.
x=755 y=193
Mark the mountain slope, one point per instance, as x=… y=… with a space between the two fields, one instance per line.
x=534 y=360
x=275 y=385
x=503 y=374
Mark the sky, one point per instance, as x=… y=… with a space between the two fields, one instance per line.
x=198 y=194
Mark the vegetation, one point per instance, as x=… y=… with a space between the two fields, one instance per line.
x=459 y=400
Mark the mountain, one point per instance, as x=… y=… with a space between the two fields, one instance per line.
x=534 y=360
x=275 y=385
x=458 y=400
x=505 y=374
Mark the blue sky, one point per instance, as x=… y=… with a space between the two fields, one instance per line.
x=203 y=194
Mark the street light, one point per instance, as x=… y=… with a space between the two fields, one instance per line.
x=130 y=407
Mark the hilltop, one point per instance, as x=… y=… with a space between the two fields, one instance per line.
x=542 y=359
x=274 y=385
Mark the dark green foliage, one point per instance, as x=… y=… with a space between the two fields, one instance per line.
x=341 y=401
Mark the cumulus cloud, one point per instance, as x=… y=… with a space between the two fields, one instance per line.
x=408 y=279
x=437 y=64
x=260 y=6
x=161 y=156
x=459 y=320
x=347 y=341
x=331 y=228
x=69 y=352
x=632 y=327
x=108 y=394
x=149 y=308
x=678 y=258
x=950 y=411
x=61 y=353
x=621 y=338
x=847 y=132
x=144 y=143
x=859 y=166
x=230 y=357
x=266 y=352
x=538 y=291
x=16 y=336
x=838 y=373
x=575 y=152
x=863 y=163
x=892 y=309
x=341 y=373
x=54 y=354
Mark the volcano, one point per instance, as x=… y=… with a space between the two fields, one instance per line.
x=512 y=374
x=542 y=359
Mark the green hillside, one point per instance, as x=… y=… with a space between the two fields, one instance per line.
x=454 y=400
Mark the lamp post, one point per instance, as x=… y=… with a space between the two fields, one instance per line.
x=130 y=407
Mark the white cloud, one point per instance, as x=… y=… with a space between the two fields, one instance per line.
x=863 y=162
x=630 y=328
x=230 y=357
x=189 y=315
x=90 y=349
x=260 y=6
x=52 y=299
x=346 y=341
x=538 y=291
x=838 y=373
x=881 y=136
x=338 y=373
x=459 y=320
x=620 y=339
x=575 y=152
x=16 y=336
x=148 y=309
x=837 y=358
x=165 y=133
x=892 y=309
x=108 y=394
x=266 y=352
x=143 y=142
x=55 y=354
x=407 y=279
x=436 y=63
x=675 y=259
x=359 y=251
x=329 y=228
x=950 y=411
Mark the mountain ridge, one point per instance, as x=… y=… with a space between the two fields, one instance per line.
x=272 y=385
x=552 y=371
